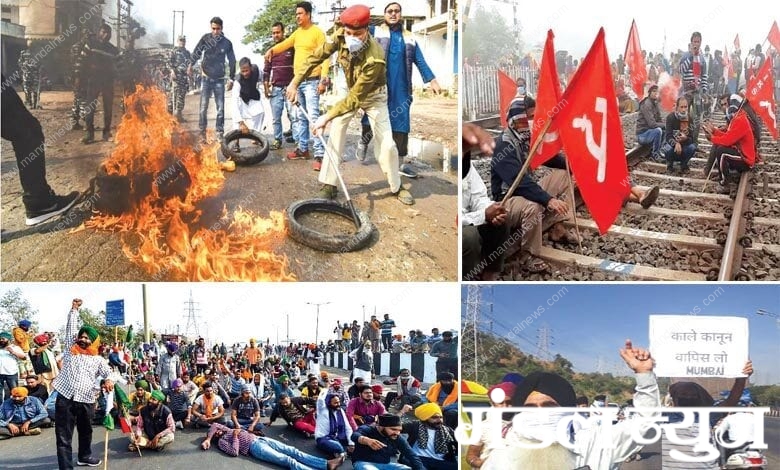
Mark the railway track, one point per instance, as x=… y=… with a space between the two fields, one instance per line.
x=692 y=233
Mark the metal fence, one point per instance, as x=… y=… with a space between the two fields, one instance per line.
x=480 y=88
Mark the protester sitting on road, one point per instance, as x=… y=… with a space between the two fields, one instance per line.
x=155 y=425
x=179 y=403
x=445 y=394
x=208 y=408
x=407 y=390
x=140 y=398
x=353 y=391
x=237 y=442
x=190 y=387
x=376 y=446
x=36 y=389
x=332 y=431
x=245 y=412
x=431 y=439
x=338 y=390
x=297 y=411
x=364 y=408
x=22 y=415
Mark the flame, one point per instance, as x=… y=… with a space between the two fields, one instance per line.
x=164 y=231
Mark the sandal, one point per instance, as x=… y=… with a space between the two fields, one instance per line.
x=536 y=265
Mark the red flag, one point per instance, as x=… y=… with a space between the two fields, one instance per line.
x=727 y=63
x=736 y=43
x=548 y=102
x=774 y=36
x=760 y=93
x=125 y=425
x=507 y=89
x=636 y=62
x=590 y=128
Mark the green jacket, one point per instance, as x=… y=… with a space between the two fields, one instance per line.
x=365 y=70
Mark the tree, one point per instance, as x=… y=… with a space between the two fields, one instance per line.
x=258 y=32
x=489 y=37
x=14 y=307
x=98 y=321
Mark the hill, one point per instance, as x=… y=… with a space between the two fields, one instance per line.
x=499 y=356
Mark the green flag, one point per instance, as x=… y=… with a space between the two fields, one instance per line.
x=108 y=422
x=121 y=398
x=129 y=336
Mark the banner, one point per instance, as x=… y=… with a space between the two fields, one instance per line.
x=698 y=346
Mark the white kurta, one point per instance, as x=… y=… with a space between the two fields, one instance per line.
x=251 y=113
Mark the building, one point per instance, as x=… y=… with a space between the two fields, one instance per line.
x=433 y=22
x=53 y=26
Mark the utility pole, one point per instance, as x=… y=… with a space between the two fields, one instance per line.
x=173 y=28
x=146 y=315
x=317 y=331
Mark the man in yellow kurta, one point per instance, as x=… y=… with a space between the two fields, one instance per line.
x=22 y=336
x=307 y=90
x=363 y=62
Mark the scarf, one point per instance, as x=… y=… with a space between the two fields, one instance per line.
x=337 y=427
x=441 y=438
x=696 y=70
x=208 y=406
x=249 y=89
x=433 y=394
x=92 y=349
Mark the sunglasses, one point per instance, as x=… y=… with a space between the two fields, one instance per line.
x=393 y=11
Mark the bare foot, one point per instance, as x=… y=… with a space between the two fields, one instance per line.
x=335 y=463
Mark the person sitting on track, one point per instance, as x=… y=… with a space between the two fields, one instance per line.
x=733 y=148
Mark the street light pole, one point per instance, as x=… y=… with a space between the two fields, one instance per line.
x=317 y=331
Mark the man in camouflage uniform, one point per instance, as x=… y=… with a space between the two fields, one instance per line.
x=31 y=76
x=77 y=110
x=180 y=61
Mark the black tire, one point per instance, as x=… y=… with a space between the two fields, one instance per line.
x=250 y=155
x=324 y=242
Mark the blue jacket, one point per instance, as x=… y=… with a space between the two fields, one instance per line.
x=32 y=410
x=413 y=54
x=508 y=158
x=214 y=52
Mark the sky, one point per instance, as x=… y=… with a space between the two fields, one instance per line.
x=158 y=21
x=234 y=312
x=575 y=24
x=589 y=323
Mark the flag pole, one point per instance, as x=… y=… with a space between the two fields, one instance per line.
x=573 y=205
x=105 y=451
x=527 y=163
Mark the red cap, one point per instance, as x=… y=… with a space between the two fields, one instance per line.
x=356 y=16
x=377 y=389
x=336 y=382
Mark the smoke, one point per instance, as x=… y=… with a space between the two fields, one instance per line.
x=668 y=91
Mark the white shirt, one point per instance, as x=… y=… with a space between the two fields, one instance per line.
x=475 y=199
x=8 y=364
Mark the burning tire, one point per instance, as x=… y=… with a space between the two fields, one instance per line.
x=248 y=155
x=332 y=243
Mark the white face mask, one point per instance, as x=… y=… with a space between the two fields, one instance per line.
x=544 y=425
x=353 y=44
x=521 y=90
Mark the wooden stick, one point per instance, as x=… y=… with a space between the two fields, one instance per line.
x=573 y=206
x=527 y=163
x=105 y=452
